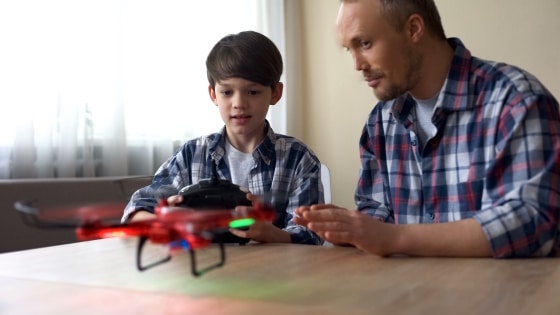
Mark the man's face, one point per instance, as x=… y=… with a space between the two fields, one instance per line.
x=383 y=54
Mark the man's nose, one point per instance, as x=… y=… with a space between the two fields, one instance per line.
x=359 y=62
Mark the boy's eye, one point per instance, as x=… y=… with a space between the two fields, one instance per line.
x=365 y=44
x=231 y=92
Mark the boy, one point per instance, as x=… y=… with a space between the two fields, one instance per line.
x=244 y=80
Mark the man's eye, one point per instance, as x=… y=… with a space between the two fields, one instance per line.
x=365 y=44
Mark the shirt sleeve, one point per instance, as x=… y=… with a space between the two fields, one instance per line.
x=524 y=179
x=308 y=190
x=372 y=192
x=166 y=182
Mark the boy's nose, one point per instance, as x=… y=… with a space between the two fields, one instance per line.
x=239 y=102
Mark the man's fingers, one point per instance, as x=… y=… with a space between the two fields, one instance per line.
x=324 y=206
x=321 y=213
x=336 y=237
x=333 y=226
x=299 y=220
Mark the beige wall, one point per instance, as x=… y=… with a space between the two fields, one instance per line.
x=337 y=101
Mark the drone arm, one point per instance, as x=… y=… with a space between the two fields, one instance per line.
x=30 y=216
x=91 y=232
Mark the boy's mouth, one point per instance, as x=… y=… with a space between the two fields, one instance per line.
x=240 y=119
x=241 y=116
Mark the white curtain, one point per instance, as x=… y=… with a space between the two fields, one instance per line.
x=112 y=87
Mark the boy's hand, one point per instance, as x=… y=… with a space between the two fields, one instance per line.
x=261 y=231
x=174 y=200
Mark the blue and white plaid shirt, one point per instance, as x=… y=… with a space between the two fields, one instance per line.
x=285 y=170
x=495 y=158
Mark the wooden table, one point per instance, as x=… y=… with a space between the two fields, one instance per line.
x=99 y=277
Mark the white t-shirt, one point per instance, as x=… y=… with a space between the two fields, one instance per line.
x=240 y=164
x=424 y=112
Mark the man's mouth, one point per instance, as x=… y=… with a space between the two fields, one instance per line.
x=373 y=78
x=373 y=81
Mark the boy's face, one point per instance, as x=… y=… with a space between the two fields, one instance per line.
x=243 y=106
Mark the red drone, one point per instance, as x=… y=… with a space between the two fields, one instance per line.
x=174 y=227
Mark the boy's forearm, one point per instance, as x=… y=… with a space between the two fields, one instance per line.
x=140 y=214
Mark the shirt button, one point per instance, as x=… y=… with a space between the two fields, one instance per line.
x=414 y=142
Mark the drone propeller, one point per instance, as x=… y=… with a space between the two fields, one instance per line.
x=70 y=216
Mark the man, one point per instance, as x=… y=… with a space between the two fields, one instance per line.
x=469 y=145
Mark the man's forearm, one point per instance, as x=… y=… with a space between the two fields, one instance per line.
x=463 y=238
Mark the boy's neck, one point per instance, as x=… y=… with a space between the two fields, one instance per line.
x=245 y=143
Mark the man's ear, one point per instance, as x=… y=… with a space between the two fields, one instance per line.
x=276 y=93
x=415 y=28
x=212 y=94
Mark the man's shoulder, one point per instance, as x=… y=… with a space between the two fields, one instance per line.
x=502 y=75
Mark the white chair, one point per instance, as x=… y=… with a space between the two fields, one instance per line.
x=326 y=180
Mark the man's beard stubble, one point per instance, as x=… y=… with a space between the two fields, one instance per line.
x=412 y=69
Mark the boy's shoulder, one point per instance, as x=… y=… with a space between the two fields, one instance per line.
x=283 y=143
x=285 y=139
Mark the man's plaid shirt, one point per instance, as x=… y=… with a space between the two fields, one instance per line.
x=495 y=158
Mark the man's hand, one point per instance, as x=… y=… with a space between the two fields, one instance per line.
x=463 y=238
x=342 y=226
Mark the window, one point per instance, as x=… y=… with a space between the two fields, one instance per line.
x=111 y=87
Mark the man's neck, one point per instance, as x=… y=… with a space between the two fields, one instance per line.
x=438 y=56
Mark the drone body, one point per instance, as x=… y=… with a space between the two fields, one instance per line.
x=172 y=224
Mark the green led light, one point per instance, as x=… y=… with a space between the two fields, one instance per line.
x=241 y=223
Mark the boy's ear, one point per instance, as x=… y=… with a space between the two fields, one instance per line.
x=277 y=93
x=212 y=94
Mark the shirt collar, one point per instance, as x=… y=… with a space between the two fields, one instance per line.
x=456 y=94
x=264 y=151
x=456 y=84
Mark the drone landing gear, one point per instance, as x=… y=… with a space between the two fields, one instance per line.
x=196 y=272
x=154 y=262
x=167 y=257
